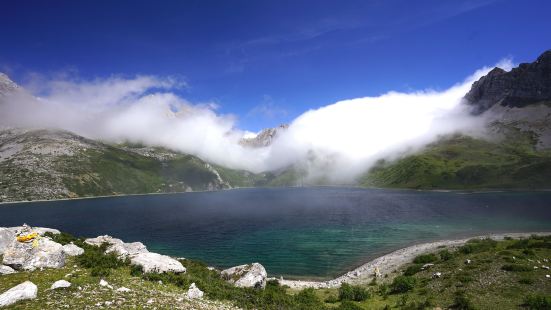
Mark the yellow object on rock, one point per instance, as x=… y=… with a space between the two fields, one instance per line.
x=27 y=237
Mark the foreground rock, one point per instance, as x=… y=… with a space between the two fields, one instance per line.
x=72 y=250
x=25 y=290
x=117 y=246
x=6 y=270
x=41 y=253
x=6 y=238
x=194 y=292
x=153 y=262
x=252 y=275
x=60 y=284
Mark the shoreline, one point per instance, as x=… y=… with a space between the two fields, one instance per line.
x=394 y=260
x=458 y=191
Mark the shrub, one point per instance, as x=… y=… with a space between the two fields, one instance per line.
x=462 y=302
x=425 y=258
x=445 y=255
x=63 y=238
x=538 y=302
x=352 y=292
x=99 y=263
x=348 y=305
x=478 y=245
x=526 y=281
x=413 y=269
x=515 y=268
x=402 y=284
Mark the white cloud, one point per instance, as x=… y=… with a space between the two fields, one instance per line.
x=336 y=141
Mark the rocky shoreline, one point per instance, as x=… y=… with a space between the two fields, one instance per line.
x=385 y=265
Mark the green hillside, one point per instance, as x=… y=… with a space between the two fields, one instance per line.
x=461 y=162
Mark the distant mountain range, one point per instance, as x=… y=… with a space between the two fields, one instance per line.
x=516 y=105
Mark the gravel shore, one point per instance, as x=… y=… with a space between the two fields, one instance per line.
x=388 y=263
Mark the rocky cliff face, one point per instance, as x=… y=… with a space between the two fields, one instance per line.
x=528 y=84
x=6 y=85
x=265 y=137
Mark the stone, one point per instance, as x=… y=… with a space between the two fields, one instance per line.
x=25 y=290
x=468 y=261
x=60 y=284
x=41 y=253
x=436 y=275
x=6 y=270
x=72 y=250
x=427 y=266
x=104 y=283
x=117 y=246
x=252 y=275
x=123 y=290
x=124 y=250
x=153 y=262
x=194 y=292
x=6 y=238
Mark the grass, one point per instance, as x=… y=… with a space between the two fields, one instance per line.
x=462 y=162
x=485 y=283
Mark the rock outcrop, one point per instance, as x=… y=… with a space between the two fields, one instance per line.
x=194 y=292
x=153 y=262
x=527 y=84
x=117 y=246
x=265 y=138
x=41 y=253
x=252 y=275
x=6 y=238
x=73 y=250
x=25 y=290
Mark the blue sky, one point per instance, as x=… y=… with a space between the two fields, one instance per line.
x=269 y=61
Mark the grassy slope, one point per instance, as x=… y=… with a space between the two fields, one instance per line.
x=116 y=171
x=461 y=162
x=485 y=283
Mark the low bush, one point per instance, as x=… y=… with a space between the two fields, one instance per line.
x=478 y=245
x=63 y=238
x=352 y=292
x=515 y=268
x=445 y=255
x=402 y=284
x=538 y=302
x=413 y=269
x=526 y=281
x=462 y=302
x=348 y=305
x=425 y=259
x=99 y=263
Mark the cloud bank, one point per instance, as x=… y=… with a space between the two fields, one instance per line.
x=335 y=142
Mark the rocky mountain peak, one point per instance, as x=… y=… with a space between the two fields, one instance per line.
x=6 y=84
x=264 y=138
x=527 y=84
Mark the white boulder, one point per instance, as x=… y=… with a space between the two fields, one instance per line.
x=6 y=270
x=252 y=275
x=60 y=284
x=117 y=246
x=153 y=262
x=41 y=253
x=6 y=238
x=73 y=250
x=25 y=290
x=194 y=292
x=123 y=290
x=104 y=283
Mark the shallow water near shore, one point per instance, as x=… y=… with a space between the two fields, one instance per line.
x=313 y=233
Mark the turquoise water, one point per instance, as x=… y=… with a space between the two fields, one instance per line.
x=294 y=232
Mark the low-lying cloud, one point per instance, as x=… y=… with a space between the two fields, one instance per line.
x=335 y=142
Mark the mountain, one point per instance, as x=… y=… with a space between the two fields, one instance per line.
x=516 y=107
x=51 y=164
x=265 y=137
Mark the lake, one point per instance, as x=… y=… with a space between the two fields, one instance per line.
x=314 y=233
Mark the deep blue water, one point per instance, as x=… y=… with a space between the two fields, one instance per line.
x=294 y=232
